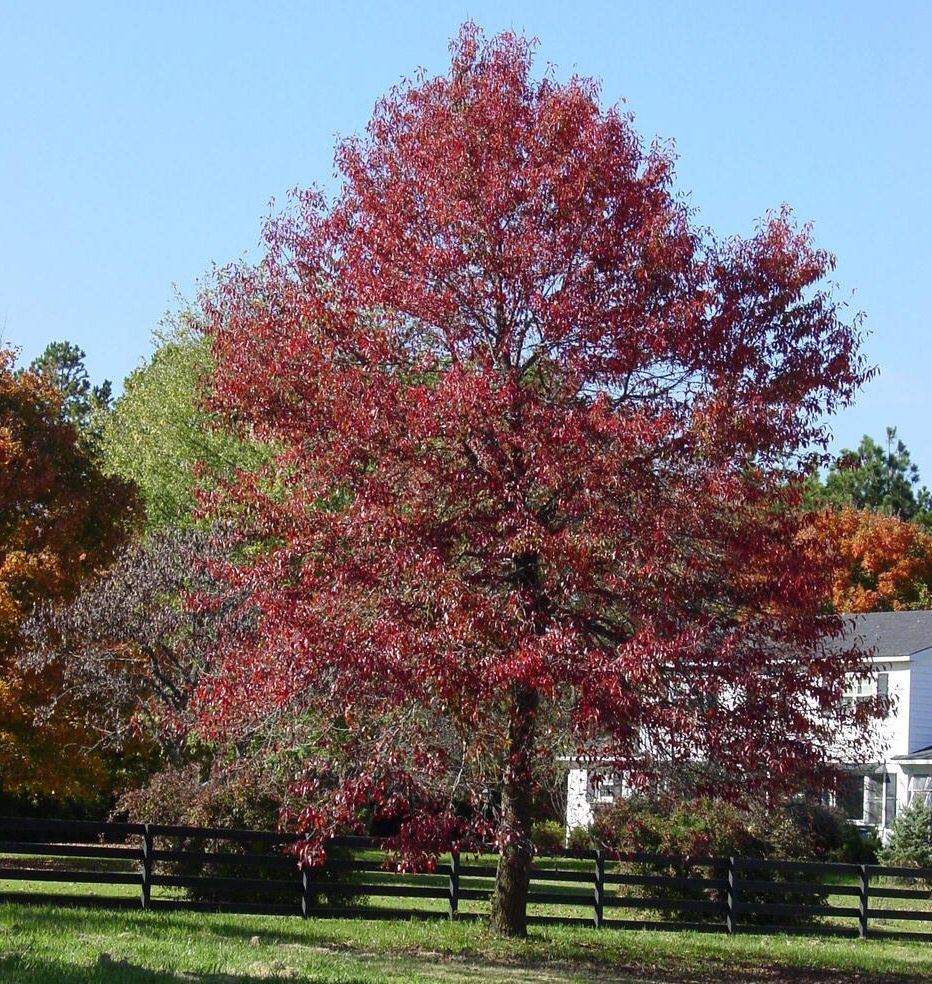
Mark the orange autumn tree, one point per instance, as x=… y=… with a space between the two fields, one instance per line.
x=61 y=518
x=883 y=563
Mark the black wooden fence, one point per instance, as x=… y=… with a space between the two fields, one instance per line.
x=158 y=867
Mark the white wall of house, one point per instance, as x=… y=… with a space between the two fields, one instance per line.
x=578 y=800
x=896 y=728
x=583 y=797
x=892 y=735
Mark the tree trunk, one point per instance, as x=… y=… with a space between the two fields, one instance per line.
x=509 y=900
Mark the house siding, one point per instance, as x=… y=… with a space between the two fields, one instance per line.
x=920 y=701
x=895 y=730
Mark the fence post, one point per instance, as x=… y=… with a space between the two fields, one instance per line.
x=307 y=901
x=731 y=916
x=146 y=896
x=599 y=887
x=864 y=901
x=454 y=883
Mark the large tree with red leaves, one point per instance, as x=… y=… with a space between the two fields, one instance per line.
x=539 y=439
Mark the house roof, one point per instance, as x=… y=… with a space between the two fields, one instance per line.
x=892 y=634
x=920 y=755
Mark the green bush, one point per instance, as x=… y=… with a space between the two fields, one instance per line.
x=181 y=796
x=829 y=833
x=580 y=839
x=692 y=828
x=910 y=838
x=799 y=829
x=548 y=836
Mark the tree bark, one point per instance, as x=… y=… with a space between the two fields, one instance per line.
x=512 y=879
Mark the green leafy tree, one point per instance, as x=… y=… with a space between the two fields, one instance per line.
x=880 y=477
x=162 y=436
x=83 y=405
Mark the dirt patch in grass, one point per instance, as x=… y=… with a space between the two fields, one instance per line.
x=446 y=968
x=459 y=971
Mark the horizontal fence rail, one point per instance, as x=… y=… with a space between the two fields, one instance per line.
x=210 y=869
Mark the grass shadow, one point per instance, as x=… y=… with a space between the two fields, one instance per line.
x=33 y=970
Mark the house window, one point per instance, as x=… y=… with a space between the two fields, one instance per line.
x=849 y=797
x=863 y=689
x=873 y=799
x=919 y=790
x=864 y=798
x=606 y=790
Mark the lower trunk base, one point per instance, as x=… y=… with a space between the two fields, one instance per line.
x=509 y=900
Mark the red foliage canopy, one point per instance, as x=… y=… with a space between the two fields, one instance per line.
x=538 y=433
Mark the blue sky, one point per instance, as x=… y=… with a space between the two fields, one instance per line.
x=139 y=143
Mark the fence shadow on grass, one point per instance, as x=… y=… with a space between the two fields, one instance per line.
x=17 y=970
x=66 y=921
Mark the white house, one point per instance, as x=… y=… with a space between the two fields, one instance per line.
x=902 y=645
x=876 y=791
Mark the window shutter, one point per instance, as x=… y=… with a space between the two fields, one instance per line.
x=889 y=811
x=874 y=796
x=883 y=684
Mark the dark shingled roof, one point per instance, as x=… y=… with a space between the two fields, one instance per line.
x=892 y=633
x=921 y=754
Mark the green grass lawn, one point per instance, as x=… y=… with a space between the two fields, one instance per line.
x=42 y=945
x=66 y=945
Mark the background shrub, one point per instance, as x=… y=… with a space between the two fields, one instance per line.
x=581 y=839
x=548 y=836
x=830 y=835
x=707 y=827
x=182 y=796
x=238 y=800
x=796 y=829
